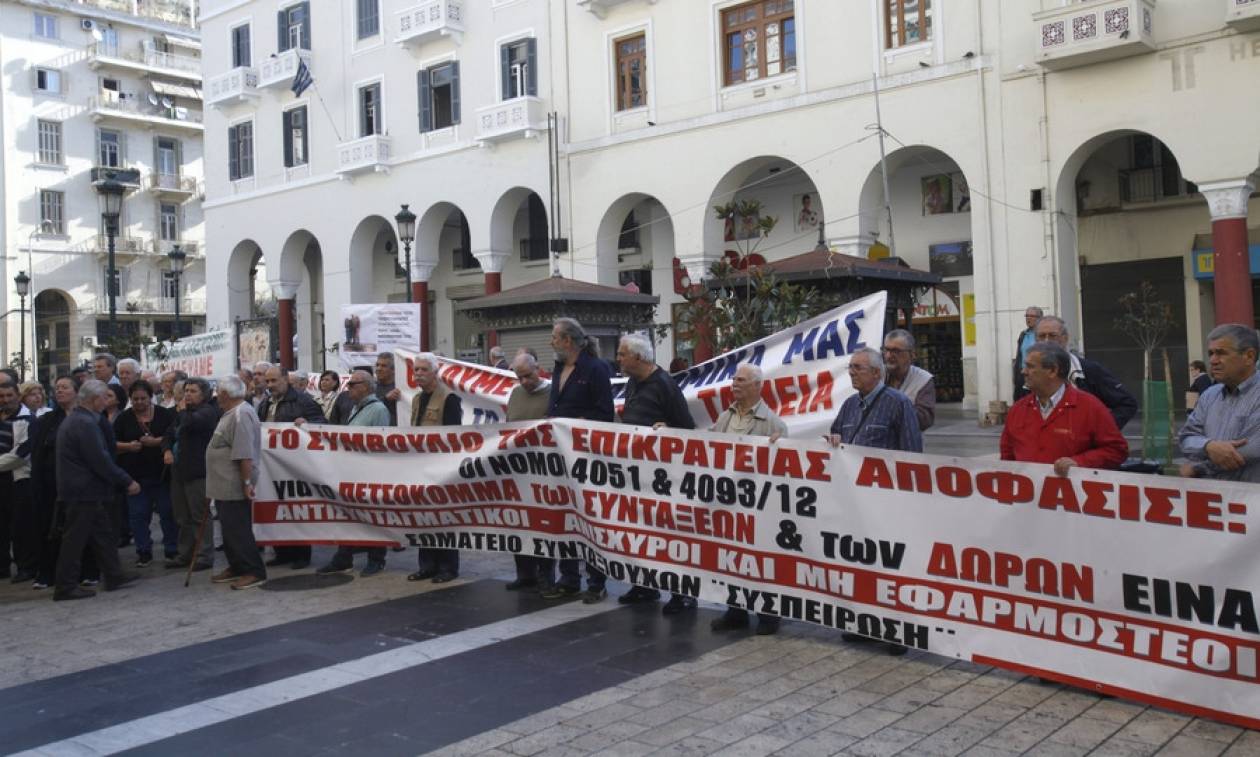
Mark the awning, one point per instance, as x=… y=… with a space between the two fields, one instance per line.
x=176 y=90
x=184 y=42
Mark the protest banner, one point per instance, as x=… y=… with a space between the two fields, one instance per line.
x=369 y=330
x=805 y=369
x=1123 y=584
x=207 y=355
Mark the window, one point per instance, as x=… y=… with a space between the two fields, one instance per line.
x=369 y=18
x=241 y=151
x=170 y=285
x=45 y=26
x=909 y=22
x=519 y=62
x=294 y=27
x=109 y=148
x=294 y=137
x=52 y=208
x=111 y=89
x=48 y=80
x=241 y=55
x=760 y=40
x=112 y=285
x=49 y=142
x=370 y=110
x=439 y=96
x=109 y=41
x=631 y=72
x=462 y=258
x=168 y=222
x=166 y=156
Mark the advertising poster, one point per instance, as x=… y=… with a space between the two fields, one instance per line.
x=369 y=330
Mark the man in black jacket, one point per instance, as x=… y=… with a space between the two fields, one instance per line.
x=1089 y=375
x=87 y=481
x=284 y=404
x=184 y=449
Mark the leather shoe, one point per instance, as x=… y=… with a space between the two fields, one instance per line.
x=75 y=593
x=521 y=583
x=767 y=626
x=421 y=575
x=445 y=577
x=638 y=594
x=677 y=603
x=729 y=622
x=121 y=581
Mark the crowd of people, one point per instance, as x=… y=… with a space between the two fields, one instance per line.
x=83 y=473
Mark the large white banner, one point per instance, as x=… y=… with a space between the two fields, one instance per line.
x=207 y=355
x=805 y=369
x=368 y=330
x=1139 y=586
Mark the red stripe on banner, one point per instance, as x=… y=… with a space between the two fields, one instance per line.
x=1119 y=691
x=326 y=543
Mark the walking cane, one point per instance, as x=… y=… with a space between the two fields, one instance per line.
x=201 y=529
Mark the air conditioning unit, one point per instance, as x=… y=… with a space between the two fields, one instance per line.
x=87 y=24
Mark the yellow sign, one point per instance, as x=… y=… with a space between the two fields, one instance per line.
x=1205 y=262
x=969 y=319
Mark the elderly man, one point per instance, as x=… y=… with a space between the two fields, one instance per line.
x=128 y=372
x=87 y=481
x=1090 y=376
x=386 y=391
x=435 y=405
x=284 y=404
x=748 y=415
x=184 y=449
x=497 y=357
x=103 y=366
x=1221 y=437
x=875 y=416
x=651 y=399
x=1058 y=423
x=901 y=374
x=19 y=523
x=527 y=402
x=259 y=386
x=231 y=472
x=300 y=381
x=581 y=387
x=1026 y=339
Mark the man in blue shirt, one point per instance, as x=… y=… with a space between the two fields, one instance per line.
x=1221 y=437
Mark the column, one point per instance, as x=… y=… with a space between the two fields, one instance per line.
x=421 y=272
x=1231 y=280
x=492 y=262
x=286 y=301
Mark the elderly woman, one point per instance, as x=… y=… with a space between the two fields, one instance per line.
x=32 y=395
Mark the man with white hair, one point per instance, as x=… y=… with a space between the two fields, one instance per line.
x=748 y=416
x=497 y=357
x=902 y=374
x=231 y=472
x=527 y=402
x=435 y=405
x=300 y=381
x=260 y=383
x=651 y=399
x=128 y=372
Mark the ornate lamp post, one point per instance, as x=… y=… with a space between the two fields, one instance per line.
x=23 y=284
x=407 y=234
x=177 y=257
x=110 y=194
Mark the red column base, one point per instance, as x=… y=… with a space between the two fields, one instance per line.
x=287 y=328
x=420 y=295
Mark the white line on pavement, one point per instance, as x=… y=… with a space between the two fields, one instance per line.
x=164 y=725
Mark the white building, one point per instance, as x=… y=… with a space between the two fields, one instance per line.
x=1038 y=153
x=94 y=87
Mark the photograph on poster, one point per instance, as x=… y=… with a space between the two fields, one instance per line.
x=937 y=197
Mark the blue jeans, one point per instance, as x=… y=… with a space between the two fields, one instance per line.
x=153 y=493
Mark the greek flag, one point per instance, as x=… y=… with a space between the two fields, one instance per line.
x=302 y=79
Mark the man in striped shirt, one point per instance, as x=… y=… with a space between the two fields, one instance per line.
x=1221 y=437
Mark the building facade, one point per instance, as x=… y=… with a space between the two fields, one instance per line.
x=1041 y=153
x=95 y=89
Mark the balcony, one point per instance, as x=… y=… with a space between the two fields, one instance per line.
x=362 y=155
x=232 y=87
x=1094 y=31
x=171 y=186
x=163 y=246
x=429 y=20
x=279 y=70
x=123 y=245
x=129 y=177
x=145 y=60
x=1243 y=15
x=131 y=108
x=600 y=7
x=521 y=117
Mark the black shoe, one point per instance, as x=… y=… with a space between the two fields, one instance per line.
x=729 y=622
x=594 y=596
x=895 y=650
x=560 y=591
x=332 y=569
x=143 y=559
x=521 y=583
x=445 y=577
x=22 y=576
x=677 y=603
x=422 y=575
x=638 y=594
x=122 y=581
x=767 y=626
x=277 y=561
x=299 y=565
x=75 y=593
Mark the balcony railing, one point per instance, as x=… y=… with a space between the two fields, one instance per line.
x=123 y=245
x=429 y=20
x=127 y=176
x=130 y=106
x=234 y=86
x=185 y=64
x=1093 y=31
x=510 y=119
x=163 y=246
x=279 y=70
x=1156 y=184
x=364 y=154
x=1243 y=15
x=145 y=57
x=171 y=184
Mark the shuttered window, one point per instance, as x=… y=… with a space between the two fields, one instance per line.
x=438 y=94
x=241 y=55
x=369 y=18
x=293 y=27
x=241 y=151
x=295 y=144
x=518 y=63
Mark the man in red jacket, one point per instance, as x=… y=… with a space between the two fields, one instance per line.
x=1058 y=423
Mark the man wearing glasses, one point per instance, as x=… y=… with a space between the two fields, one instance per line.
x=1090 y=375
x=909 y=379
x=1221 y=437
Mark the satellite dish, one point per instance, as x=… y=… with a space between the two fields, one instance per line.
x=96 y=34
x=153 y=99
x=168 y=102
x=181 y=114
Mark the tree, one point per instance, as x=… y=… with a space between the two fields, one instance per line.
x=1146 y=320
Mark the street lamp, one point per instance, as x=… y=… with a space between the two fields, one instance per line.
x=407 y=234
x=23 y=284
x=177 y=256
x=110 y=194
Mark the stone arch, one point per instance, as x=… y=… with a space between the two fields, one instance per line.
x=53 y=351
x=243 y=263
x=778 y=183
x=376 y=274
x=520 y=216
